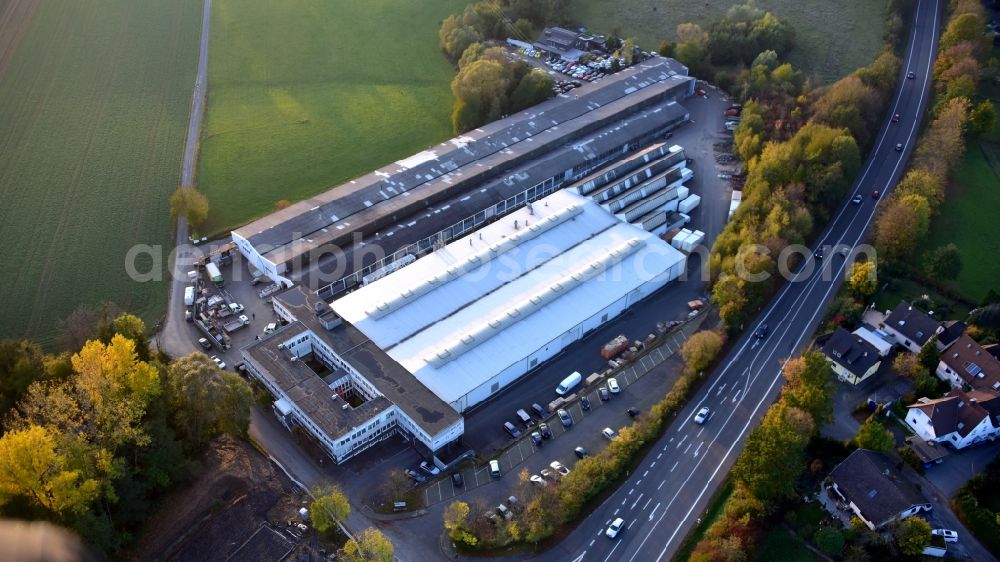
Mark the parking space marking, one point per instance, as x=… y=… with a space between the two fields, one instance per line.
x=660 y=351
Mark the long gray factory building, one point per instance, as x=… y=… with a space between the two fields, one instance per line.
x=329 y=243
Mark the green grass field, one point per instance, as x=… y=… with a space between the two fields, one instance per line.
x=305 y=94
x=966 y=219
x=93 y=107
x=832 y=38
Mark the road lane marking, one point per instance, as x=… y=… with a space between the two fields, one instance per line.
x=591 y=544
x=632 y=523
x=673 y=467
x=688 y=448
x=696 y=451
x=700 y=431
x=636 y=502
x=681 y=442
x=662 y=482
x=645 y=473
x=658 y=455
x=650 y=500
x=657 y=506
x=652 y=464
x=615 y=514
x=630 y=490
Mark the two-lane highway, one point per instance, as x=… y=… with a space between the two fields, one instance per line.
x=670 y=489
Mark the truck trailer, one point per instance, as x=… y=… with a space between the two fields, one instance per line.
x=214 y=274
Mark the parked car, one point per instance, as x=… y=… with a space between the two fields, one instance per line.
x=603 y=392
x=538 y=410
x=632 y=412
x=581 y=452
x=538 y=480
x=564 y=418
x=536 y=438
x=702 y=416
x=585 y=404
x=457 y=480
x=513 y=431
x=495 y=468
x=615 y=528
x=546 y=473
x=948 y=534
x=609 y=433
x=559 y=468
x=416 y=476
x=613 y=386
x=219 y=362
x=544 y=429
x=429 y=468
x=504 y=511
x=204 y=343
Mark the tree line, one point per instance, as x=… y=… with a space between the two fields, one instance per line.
x=92 y=439
x=489 y=84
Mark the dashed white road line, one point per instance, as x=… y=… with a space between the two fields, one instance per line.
x=662 y=482
x=673 y=467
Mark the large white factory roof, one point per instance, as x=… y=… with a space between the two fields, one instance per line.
x=463 y=314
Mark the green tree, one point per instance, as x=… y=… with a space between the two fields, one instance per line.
x=900 y=228
x=534 y=87
x=204 y=400
x=189 y=203
x=873 y=435
x=862 y=279
x=912 y=535
x=922 y=182
x=775 y=453
x=132 y=327
x=983 y=117
x=628 y=51
x=369 y=545
x=329 y=506
x=962 y=28
x=701 y=349
x=21 y=363
x=944 y=262
x=810 y=387
x=829 y=540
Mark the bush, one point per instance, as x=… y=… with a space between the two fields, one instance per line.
x=829 y=540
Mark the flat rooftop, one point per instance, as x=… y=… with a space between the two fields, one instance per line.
x=438 y=217
x=461 y=315
x=396 y=384
x=510 y=137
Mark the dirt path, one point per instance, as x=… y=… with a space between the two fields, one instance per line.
x=173 y=340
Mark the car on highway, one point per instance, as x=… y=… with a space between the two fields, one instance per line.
x=564 y=417
x=615 y=528
x=818 y=253
x=875 y=194
x=429 y=468
x=603 y=392
x=899 y=147
x=761 y=332
x=219 y=362
x=546 y=432
x=538 y=480
x=585 y=404
x=856 y=199
x=911 y=75
x=702 y=416
x=609 y=433
x=513 y=431
x=559 y=467
x=457 y=480
x=536 y=438
x=947 y=534
x=581 y=452
x=895 y=118
x=613 y=386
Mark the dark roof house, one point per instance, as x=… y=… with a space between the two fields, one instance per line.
x=953 y=329
x=910 y=326
x=854 y=359
x=868 y=482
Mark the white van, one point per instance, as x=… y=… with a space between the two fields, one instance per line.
x=495 y=468
x=569 y=383
x=188 y=295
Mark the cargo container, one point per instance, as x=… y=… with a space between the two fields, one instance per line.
x=214 y=274
x=614 y=347
x=689 y=203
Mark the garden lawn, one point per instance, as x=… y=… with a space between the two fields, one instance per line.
x=966 y=219
x=780 y=545
x=94 y=102
x=832 y=39
x=305 y=94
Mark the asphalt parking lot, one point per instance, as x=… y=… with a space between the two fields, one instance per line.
x=585 y=430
